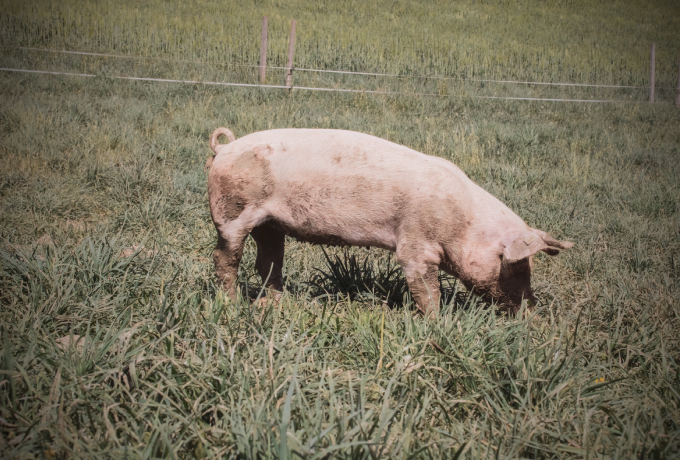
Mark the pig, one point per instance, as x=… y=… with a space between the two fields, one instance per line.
x=335 y=187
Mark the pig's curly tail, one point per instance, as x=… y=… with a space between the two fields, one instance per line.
x=213 y=144
x=217 y=133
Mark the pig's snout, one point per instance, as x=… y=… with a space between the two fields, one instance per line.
x=514 y=285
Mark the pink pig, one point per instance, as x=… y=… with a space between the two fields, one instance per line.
x=336 y=187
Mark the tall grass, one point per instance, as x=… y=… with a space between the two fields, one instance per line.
x=144 y=367
x=580 y=41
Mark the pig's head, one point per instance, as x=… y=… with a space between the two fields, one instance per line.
x=501 y=271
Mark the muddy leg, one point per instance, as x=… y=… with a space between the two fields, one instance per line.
x=269 y=261
x=227 y=256
x=423 y=282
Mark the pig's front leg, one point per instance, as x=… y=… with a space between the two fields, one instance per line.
x=423 y=282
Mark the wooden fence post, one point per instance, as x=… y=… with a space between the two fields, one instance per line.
x=263 y=50
x=651 y=72
x=677 y=91
x=291 y=48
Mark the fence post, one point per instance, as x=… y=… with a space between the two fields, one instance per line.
x=291 y=48
x=651 y=72
x=677 y=92
x=263 y=50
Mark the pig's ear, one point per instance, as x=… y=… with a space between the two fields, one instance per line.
x=553 y=246
x=522 y=245
x=519 y=246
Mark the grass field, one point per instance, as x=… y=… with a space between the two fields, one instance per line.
x=116 y=343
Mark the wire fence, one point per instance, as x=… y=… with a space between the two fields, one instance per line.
x=309 y=88
x=349 y=72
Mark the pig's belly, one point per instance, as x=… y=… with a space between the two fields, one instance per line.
x=322 y=219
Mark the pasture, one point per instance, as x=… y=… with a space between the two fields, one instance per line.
x=116 y=343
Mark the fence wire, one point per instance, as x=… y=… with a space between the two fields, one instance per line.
x=307 y=88
x=377 y=74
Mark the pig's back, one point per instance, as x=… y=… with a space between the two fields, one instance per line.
x=299 y=154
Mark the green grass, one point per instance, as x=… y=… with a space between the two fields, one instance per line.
x=597 y=42
x=112 y=172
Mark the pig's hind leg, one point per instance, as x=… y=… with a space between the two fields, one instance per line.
x=227 y=256
x=269 y=261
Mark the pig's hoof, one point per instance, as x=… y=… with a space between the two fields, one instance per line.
x=430 y=313
x=273 y=296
